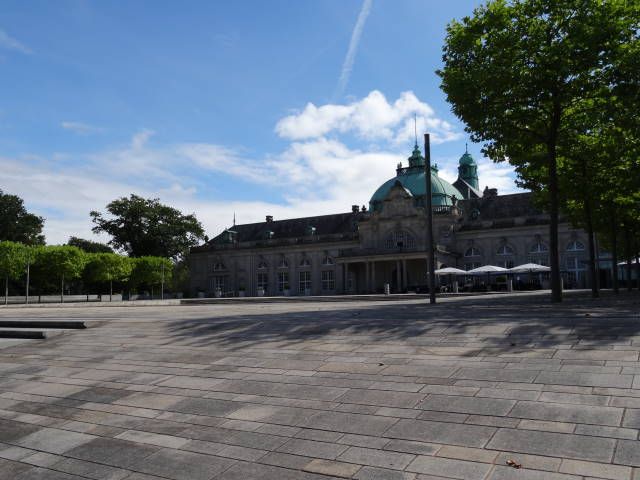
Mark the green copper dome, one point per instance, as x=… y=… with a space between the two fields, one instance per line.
x=412 y=178
x=467 y=159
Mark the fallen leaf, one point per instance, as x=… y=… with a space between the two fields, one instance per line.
x=514 y=464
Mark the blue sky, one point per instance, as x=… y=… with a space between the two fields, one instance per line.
x=281 y=107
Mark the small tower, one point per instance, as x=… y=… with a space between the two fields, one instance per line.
x=468 y=169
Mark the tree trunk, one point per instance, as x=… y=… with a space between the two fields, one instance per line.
x=110 y=290
x=26 y=298
x=614 y=250
x=62 y=289
x=6 y=290
x=554 y=256
x=595 y=291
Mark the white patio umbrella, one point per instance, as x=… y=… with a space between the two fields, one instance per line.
x=530 y=268
x=486 y=269
x=450 y=271
x=633 y=262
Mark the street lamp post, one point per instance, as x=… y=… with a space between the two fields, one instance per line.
x=429 y=206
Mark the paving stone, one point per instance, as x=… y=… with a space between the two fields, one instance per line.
x=441 y=432
x=449 y=468
x=374 y=473
x=580 y=399
x=560 y=427
x=376 y=458
x=568 y=413
x=180 y=465
x=90 y=470
x=613 y=432
x=474 y=405
x=11 y=431
x=333 y=468
x=205 y=406
x=41 y=459
x=498 y=375
x=312 y=448
x=10 y=470
x=153 y=439
x=349 y=423
x=533 y=462
x=628 y=453
x=38 y=473
x=586 y=379
x=53 y=440
x=465 y=453
x=502 y=472
x=554 y=444
x=407 y=446
x=600 y=470
x=381 y=398
x=109 y=451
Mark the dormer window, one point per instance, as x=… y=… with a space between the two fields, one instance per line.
x=305 y=262
x=327 y=260
x=218 y=266
x=283 y=263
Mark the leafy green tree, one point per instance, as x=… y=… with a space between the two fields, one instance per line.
x=89 y=246
x=145 y=227
x=151 y=271
x=516 y=72
x=61 y=262
x=13 y=257
x=108 y=268
x=18 y=225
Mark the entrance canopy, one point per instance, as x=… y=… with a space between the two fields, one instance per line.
x=529 y=268
x=450 y=271
x=486 y=269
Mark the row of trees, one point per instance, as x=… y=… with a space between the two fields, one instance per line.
x=554 y=89
x=62 y=264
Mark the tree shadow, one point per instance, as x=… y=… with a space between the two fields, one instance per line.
x=476 y=326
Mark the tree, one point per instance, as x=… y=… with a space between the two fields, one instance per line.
x=12 y=262
x=89 y=246
x=516 y=73
x=18 y=225
x=145 y=227
x=108 y=267
x=61 y=262
x=151 y=271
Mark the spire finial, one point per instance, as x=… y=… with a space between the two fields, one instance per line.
x=415 y=127
x=234 y=219
x=466 y=147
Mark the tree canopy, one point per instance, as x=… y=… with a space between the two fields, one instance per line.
x=18 y=225
x=89 y=246
x=151 y=271
x=62 y=262
x=520 y=73
x=145 y=227
x=108 y=268
x=13 y=258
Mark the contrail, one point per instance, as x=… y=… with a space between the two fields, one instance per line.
x=347 y=65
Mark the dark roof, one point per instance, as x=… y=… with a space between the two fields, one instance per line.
x=501 y=210
x=338 y=223
x=465 y=189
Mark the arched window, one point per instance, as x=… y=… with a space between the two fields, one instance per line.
x=283 y=263
x=327 y=260
x=305 y=262
x=575 y=246
x=539 y=247
x=400 y=239
x=472 y=252
x=504 y=250
x=263 y=265
x=218 y=266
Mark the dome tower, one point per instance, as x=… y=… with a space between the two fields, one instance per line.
x=468 y=169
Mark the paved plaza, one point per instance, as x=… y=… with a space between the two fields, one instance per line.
x=467 y=389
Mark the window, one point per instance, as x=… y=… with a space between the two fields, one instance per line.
x=263 y=281
x=575 y=246
x=283 y=281
x=305 y=262
x=328 y=280
x=327 y=260
x=304 y=281
x=283 y=263
x=400 y=239
x=471 y=265
x=539 y=248
x=505 y=250
x=218 y=283
x=472 y=252
x=218 y=266
x=505 y=263
x=262 y=265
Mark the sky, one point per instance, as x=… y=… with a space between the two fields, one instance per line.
x=287 y=108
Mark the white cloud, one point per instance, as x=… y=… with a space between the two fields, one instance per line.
x=371 y=118
x=9 y=43
x=349 y=59
x=80 y=128
x=316 y=173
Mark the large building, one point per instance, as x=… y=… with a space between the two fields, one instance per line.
x=362 y=250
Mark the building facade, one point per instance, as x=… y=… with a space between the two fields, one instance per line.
x=385 y=244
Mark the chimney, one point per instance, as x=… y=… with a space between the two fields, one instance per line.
x=269 y=218
x=355 y=208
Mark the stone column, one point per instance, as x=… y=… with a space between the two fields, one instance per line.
x=345 y=277
x=367 y=279
x=373 y=277
x=404 y=274
x=398 y=276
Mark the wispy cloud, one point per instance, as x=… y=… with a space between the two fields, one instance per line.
x=9 y=43
x=81 y=128
x=347 y=65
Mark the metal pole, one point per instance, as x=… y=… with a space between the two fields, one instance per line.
x=162 y=284
x=26 y=299
x=429 y=206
